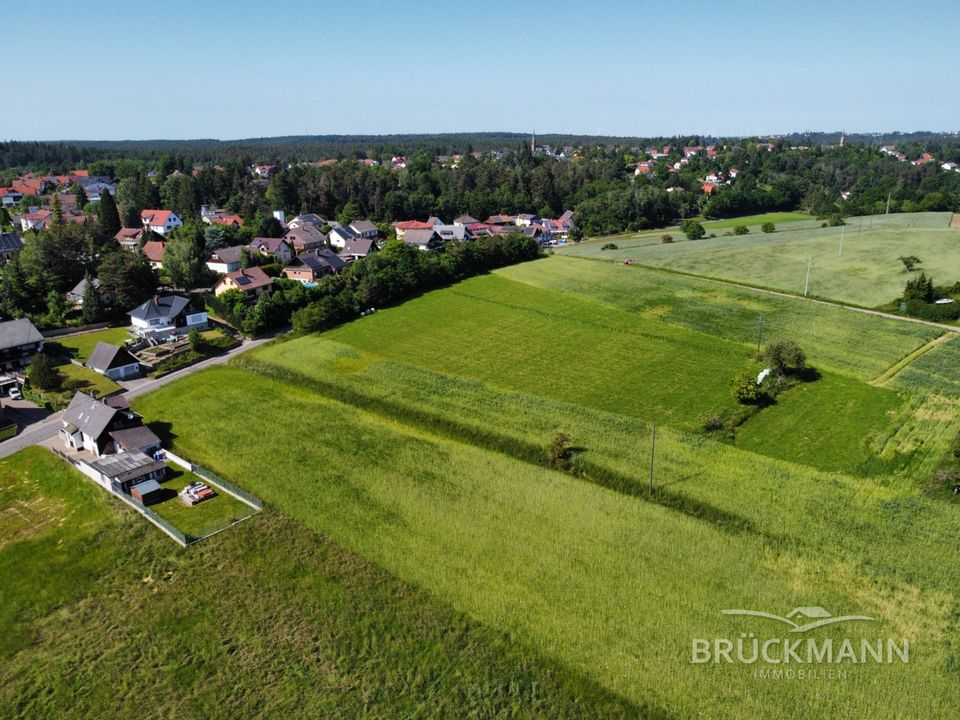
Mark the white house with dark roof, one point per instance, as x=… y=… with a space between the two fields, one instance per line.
x=166 y=314
x=339 y=237
x=364 y=229
x=226 y=260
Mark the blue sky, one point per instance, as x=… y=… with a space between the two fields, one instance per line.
x=125 y=69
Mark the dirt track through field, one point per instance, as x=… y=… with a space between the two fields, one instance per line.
x=895 y=369
x=955 y=221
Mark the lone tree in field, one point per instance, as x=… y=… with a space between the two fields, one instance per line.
x=692 y=229
x=768 y=227
x=785 y=356
x=741 y=230
x=910 y=262
x=42 y=374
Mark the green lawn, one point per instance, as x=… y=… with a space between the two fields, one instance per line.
x=867 y=273
x=609 y=585
x=83 y=345
x=269 y=619
x=202 y=519
x=74 y=378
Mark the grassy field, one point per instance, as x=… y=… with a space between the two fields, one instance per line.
x=754 y=222
x=74 y=378
x=417 y=438
x=558 y=346
x=846 y=342
x=867 y=273
x=611 y=586
x=80 y=346
x=269 y=620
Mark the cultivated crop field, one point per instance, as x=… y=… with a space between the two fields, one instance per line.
x=866 y=273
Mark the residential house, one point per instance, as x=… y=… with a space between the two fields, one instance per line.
x=423 y=239
x=401 y=227
x=526 y=219
x=87 y=424
x=113 y=361
x=227 y=220
x=276 y=248
x=19 y=342
x=708 y=187
x=252 y=282
x=129 y=238
x=166 y=315
x=9 y=196
x=154 y=250
x=357 y=248
x=75 y=296
x=226 y=260
x=10 y=245
x=923 y=159
x=951 y=166
x=311 y=218
x=453 y=232
x=307 y=268
x=305 y=238
x=265 y=171
x=364 y=229
x=338 y=237
x=500 y=220
x=160 y=221
x=465 y=220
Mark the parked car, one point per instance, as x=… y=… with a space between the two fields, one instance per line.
x=15 y=393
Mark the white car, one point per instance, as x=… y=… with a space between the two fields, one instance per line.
x=15 y=393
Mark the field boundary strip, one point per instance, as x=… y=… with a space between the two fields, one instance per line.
x=955 y=221
x=902 y=364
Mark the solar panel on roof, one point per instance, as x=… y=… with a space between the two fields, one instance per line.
x=243 y=280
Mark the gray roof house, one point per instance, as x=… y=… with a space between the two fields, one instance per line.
x=226 y=260
x=423 y=239
x=19 y=342
x=87 y=422
x=166 y=314
x=113 y=361
x=358 y=248
x=339 y=237
x=364 y=229
x=75 y=296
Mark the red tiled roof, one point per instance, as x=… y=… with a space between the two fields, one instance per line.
x=154 y=250
x=127 y=234
x=254 y=278
x=228 y=220
x=412 y=225
x=155 y=217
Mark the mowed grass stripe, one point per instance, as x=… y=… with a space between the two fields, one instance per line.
x=613 y=587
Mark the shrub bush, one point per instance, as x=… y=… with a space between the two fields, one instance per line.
x=610 y=246
x=768 y=227
x=741 y=230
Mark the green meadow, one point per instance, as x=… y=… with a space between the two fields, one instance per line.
x=269 y=619
x=403 y=459
x=607 y=583
x=866 y=273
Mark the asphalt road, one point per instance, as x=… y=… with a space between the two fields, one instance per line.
x=37 y=426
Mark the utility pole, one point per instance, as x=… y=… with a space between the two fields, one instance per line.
x=840 y=251
x=806 y=285
x=759 y=334
x=653 y=445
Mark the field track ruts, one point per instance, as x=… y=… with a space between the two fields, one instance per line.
x=895 y=369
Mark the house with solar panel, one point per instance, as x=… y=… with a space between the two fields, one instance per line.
x=252 y=282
